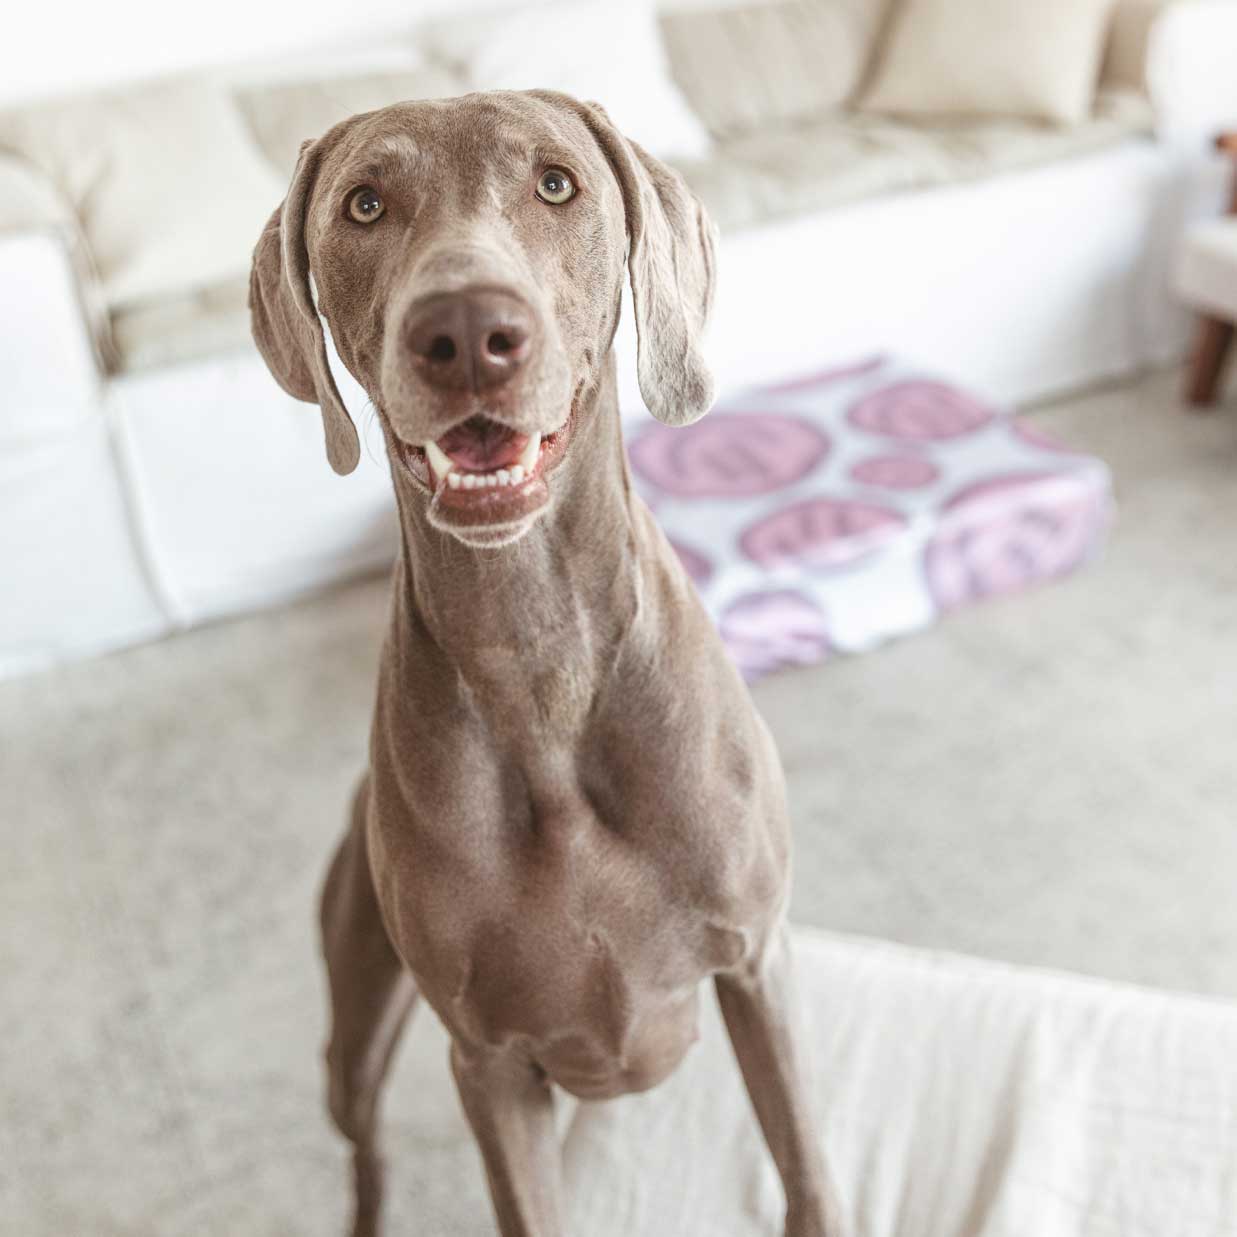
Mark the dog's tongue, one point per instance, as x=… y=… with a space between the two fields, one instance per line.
x=482 y=445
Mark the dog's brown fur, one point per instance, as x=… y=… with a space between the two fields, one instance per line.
x=573 y=815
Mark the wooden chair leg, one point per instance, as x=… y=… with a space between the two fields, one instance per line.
x=1211 y=348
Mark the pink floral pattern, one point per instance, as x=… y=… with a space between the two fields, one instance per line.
x=895 y=472
x=919 y=411
x=765 y=631
x=820 y=532
x=698 y=567
x=1004 y=534
x=729 y=455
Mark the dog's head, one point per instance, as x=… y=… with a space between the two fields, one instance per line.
x=468 y=256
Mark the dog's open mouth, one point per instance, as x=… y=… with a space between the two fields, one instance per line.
x=483 y=472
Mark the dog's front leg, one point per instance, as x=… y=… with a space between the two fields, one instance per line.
x=758 y=1006
x=510 y=1107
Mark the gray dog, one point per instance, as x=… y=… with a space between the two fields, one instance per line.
x=572 y=815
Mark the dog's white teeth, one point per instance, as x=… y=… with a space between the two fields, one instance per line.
x=439 y=460
x=514 y=475
x=528 y=457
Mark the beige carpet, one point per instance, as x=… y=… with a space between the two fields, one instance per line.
x=1049 y=779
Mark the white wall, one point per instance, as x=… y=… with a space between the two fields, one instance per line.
x=51 y=48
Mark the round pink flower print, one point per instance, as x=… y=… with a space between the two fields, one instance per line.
x=763 y=631
x=895 y=472
x=919 y=411
x=1003 y=534
x=697 y=566
x=820 y=532
x=731 y=455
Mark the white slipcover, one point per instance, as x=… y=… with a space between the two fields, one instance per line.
x=958 y=1097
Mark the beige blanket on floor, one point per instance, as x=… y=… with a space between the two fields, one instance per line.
x=959 y=1098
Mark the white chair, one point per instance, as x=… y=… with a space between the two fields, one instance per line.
x=1207 y=280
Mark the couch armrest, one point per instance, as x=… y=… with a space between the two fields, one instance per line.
x=1190 y=74
x=36 y=220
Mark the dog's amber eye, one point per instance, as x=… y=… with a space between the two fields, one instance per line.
x=365 y=205
x=555 y=187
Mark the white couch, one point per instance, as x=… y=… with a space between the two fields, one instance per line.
x=1028 y=262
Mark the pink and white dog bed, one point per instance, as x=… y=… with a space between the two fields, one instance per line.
x=832 y=513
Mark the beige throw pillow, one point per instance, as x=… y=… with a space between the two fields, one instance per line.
x=1036 y=59
x=754 y=65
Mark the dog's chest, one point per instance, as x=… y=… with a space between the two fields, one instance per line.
x=577 y=941
x=591 y=968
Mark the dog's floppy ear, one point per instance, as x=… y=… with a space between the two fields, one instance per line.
x=671 y=264
x=285 y=321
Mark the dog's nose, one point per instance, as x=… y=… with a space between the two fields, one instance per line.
x=476 y=339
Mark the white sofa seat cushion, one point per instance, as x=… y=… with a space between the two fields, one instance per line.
x=188 y=326
x=801 y=168
x=165 y=182
x=288 y=525
x=797 y=169
x=992 y=57
x=1207 y=270
x=958 y=1098
x=959 y=149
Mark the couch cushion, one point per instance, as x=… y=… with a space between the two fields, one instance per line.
x=196 y=323
x=791 y=170
x=852 y=155
x=748 y=67
x=992 y=57
x=798 y=168
x=955 y=149
x=164 y=180
x=594 y=49
x=282 y=116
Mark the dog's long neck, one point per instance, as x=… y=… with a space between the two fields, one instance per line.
x=530 y=627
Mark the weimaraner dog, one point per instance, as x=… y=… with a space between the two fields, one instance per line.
x=573 y=815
